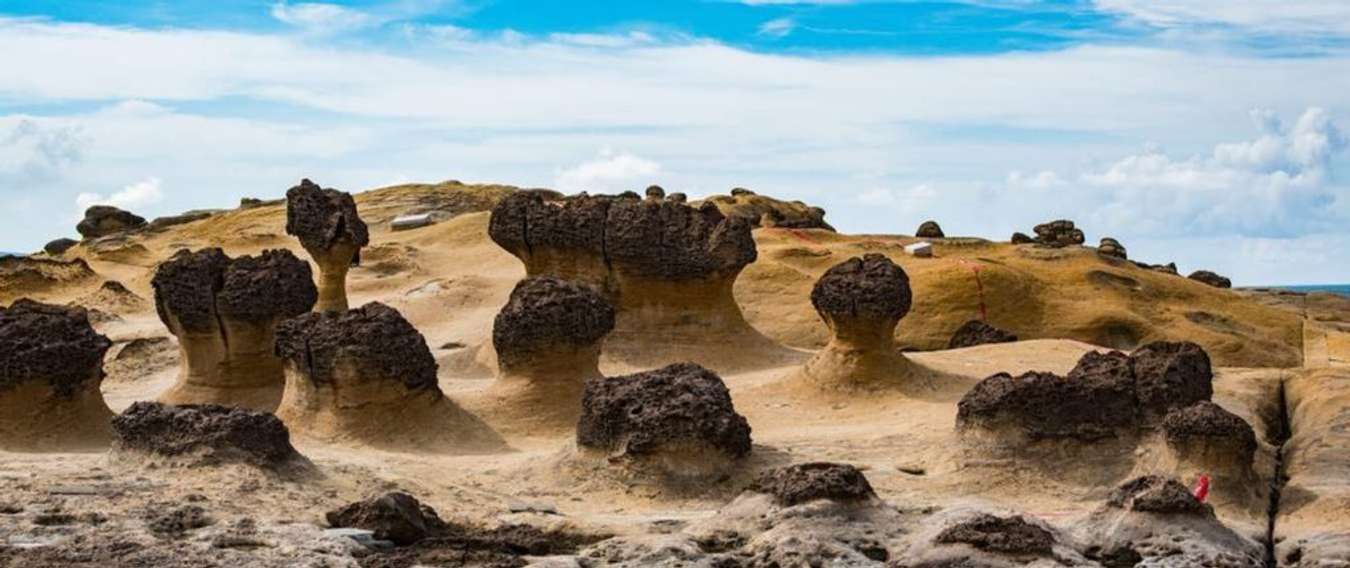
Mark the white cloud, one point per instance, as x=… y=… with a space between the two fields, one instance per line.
x=1045 y=179
x=318 y=17
x=31 y=152
x=139 y=194
x=778 y=27
x=1270 y=16
x=610 y=171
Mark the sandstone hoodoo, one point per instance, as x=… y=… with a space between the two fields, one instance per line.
x=802 y=483
x=676 y=423
x=930 y=230
x=104 y=220
x=1211 y=279
x=205 y=435
x=976 y=332
x=862 y=301
x=668 y=267
x=51 y=366
x=330 y=230
x=224 y=312
x=547 y=340
x=367 y=376
x=1211 y=438
x=1110 y=247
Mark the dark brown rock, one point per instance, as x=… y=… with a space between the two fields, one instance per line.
x=1110 y=247
x=321 y=217
x=1157 y=494
x=1107 y=366
x=677 y=197
x=1047 y=406
x=1211 y=279
x=104 y=220
x=976 y=332
x=396 y=516
x=655 y=193
x=161 y=223
x=1022 y=239
x=374 y=337
x=59 y=246
x=525 y=220
x=802 y=483
x=1004 y=535
x=738 y=191
x=1060 y=233
x=872 y=287
x=198 y=288
x=677 y=405
x=217 y=434
x=1171 y=375
x=1208 y=425
x=673 y=241
x=42 y=342
x=930 y=230
x=186 y=286
x=546 y=313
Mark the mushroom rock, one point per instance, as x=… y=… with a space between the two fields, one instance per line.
x=205 y=435
x=930 y=230
x=655 y=193
x=862 y=300
x=676 y=423
x=976 y=332
x=104 y=220
x=1210 y=278
x=1211 y=438
x=367 y=375
x=547 y=340
x=331 y=231
x=1060 y=233
x=224 y=312
x=802 y=483
x=59 y=246
x=668 y=268
x=1171 y=375
x=1044 y=406
x=1110 y=247
x=51 y=366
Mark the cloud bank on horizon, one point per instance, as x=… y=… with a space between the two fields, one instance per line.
x=1202 y=131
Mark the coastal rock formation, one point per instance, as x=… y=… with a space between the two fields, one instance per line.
x=1171 y=375
x=976 y=332
x=59 y=247
x=978 y=537
x=205 y=435
x=1011 y=534
x=1110 y=247
x=22 y=276
x=1211 y=279
x=224 y=312
x=667 y=267
x=1210 y=437
x=330 y=230
x=930 y=230
x=1060 y=233
x=677 y=422
x=395 y=516
x=765 y=211
x=806 y=482
x=862 y=300
x=547 y=340
x=51 y=366
x=104 y=220
x=367 y=376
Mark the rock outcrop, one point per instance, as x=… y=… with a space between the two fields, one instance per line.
x=930 y=230
x=331 y=231
x=806 y=482
x=104 y=220
x=1055 y=234
x=205 y=435
x=1211 y=438
x=59 y=247
x=51 y=366
x=976 y=332
x=666 y=266
x=677 y=423
x=395 y=516
x=984 y=538
x=1211 y=279
x=1022 y=239
x=765 y=211
x=1112 y=248
x=224 y=312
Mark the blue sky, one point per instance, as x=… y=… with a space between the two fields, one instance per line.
x=1207 y=132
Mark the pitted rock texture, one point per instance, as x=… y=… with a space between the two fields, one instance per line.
x=104 y=220
x=1047 y=406
x=395 y=516
x=976 y=332
x=1107 y=366
x=655 y=192
x=1209 y=424
x=802 y=483
x=1211 y=278
x=374 y=337
x=199 y=287
x=930 y=230
x=1060 y=233
x=673 y=406
x=1157 y=494
x=1171 y=375
x=56 y=344
x=220 y=434
x=547 y=313
x=871 y=287
x=1005 y=535
x=321 y=217
x=525 y=220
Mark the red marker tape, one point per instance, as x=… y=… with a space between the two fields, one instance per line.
x=1201 y=490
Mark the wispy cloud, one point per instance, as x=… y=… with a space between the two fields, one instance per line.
x=778 y=27
x=1267 y=16
x=322 y=18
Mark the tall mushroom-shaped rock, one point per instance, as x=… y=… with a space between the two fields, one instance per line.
x=366 y=375
x=51 y=366
x=547 y=339
x=224 y=312
x=668 y=267
x=862 y=300
x=326 y=222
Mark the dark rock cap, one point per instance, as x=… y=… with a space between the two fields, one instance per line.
x=524 y=220
x=321 y=217
x=1211 y=278
x=1107 y=366
x=655 y=192
x=104 y=220
x=1171 y=375
x=871 y=287
x=222 y=433
x=396 y=516
x=1205 y=421
x=50 y=343
x=738 y=191
x=930 y=230
x=1006 y=535
x=1022 y=239
x=642 y=413
x=545 y=312
x=59 y=246
x=1157 y=494
x=802 y=483
x=198 y=287
x=375 y=337
x=1047 y=406
x=186 y=286
x=976 y=332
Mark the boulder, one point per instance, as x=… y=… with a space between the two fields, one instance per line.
x=59 y=246
x=655 y=193
x=104 y=220
x=1006 y=535
x=206 y=434
x=1060 y=233
x=929 y=230
x=395 y=516
x=1211 y=279
x=1022 y=239
x=976 y=332
x=802 y=483
x=1157 y=494
x=1112 y=248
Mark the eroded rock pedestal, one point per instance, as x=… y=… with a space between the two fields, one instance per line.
x=51 y=366
x=367 y=376
x=668 y=267
x=326 y=222
x=224 y=312
x=205 y=435
x=547 y=339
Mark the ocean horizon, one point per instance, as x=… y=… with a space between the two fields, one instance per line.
x=1340 y=289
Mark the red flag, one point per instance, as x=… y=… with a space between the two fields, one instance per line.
x=1201 y=490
